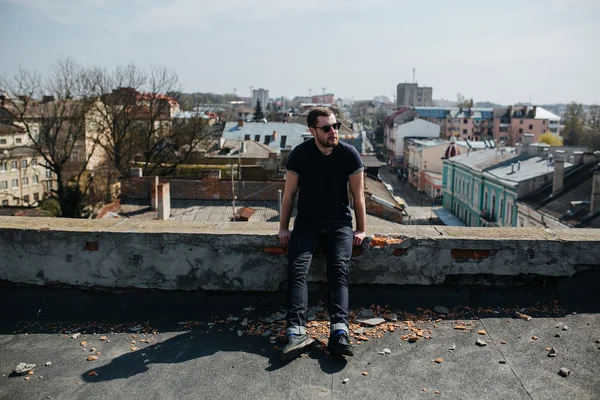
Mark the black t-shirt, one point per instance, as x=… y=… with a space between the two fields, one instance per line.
x=323 y=182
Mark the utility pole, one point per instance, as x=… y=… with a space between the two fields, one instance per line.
x=234 y=92
x=323 y=98
x=233 y=190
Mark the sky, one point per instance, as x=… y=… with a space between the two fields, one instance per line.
x=501 y=51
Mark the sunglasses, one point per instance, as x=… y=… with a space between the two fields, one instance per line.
x=327 y=128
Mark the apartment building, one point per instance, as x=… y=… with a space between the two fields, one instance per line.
x=482 y=188
x=411 y=95
x=511 y=123
x=261 y=95
x=24 y=179
x=502 y=124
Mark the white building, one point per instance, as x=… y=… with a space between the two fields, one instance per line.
x=261 y=95
x=416 y=128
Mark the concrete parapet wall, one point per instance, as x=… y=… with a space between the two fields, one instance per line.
x=237 y=256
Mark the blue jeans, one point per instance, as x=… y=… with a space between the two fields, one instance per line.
x=336 y=242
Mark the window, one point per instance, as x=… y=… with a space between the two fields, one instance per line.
x=2 y=141
x=520 y=130
x=246 y=137
x=267 y=139
x=26 y=199
x=13 y=165
x=34 y=162
x=25 y=181
x=18 y=140
x=3 y=166
x=4 y=203
x=3 y=185
x=48 y=173
x=74 y=157
x=544 y=122
x=15 y=183
x=23 y=163
x=493 y=206
x=543 y=131
x=521 y=122
x=36 y=180
x=464 y=131
x=36 y=196
x=504 y=129
x=283 y=140
x=257 y=138
x=530 y=126
x=465 y=121
x=485 y=200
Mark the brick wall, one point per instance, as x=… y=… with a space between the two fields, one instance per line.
x=203 y=189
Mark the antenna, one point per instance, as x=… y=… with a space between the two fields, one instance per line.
x=413 y=75
x=235 y=92
x=310 y=93
x=323 y=98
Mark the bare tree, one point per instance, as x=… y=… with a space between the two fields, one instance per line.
x=56 y=128
x=140 y=121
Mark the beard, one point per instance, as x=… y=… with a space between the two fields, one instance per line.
x=326 y=142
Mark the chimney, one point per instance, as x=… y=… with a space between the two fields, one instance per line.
x=559 y=171
x=512 y=168
x=221 y=142
x=518 y=165
x=240 y=122
x=274 y=135
x=242 y=147
x=577 y=157
x=534 y=111
x=595 y=203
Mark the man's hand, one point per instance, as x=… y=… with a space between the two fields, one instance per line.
x=284 y=236
x=358 y=237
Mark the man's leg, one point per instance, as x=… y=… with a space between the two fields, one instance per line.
x=302 y=247
x=337 y=245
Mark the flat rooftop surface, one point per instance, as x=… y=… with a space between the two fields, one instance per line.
x=199 y=345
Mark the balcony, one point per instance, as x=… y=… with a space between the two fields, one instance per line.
x=488 y=218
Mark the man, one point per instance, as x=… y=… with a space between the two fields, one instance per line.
x=321 y=168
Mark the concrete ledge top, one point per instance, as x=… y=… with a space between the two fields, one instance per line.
x=271 y=228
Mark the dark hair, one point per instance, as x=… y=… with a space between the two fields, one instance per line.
x=317 y=112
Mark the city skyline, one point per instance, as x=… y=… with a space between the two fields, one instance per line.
x=505 y=52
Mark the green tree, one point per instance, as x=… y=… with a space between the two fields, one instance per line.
x=574 y=118
x=259 y=116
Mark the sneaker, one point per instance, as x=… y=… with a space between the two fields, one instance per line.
x=296 y=345
x=340 y=345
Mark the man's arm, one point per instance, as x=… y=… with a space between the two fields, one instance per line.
x=357 y=189
x=287 y=204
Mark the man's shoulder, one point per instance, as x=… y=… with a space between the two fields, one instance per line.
x=348 y=149
x=304 y=146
